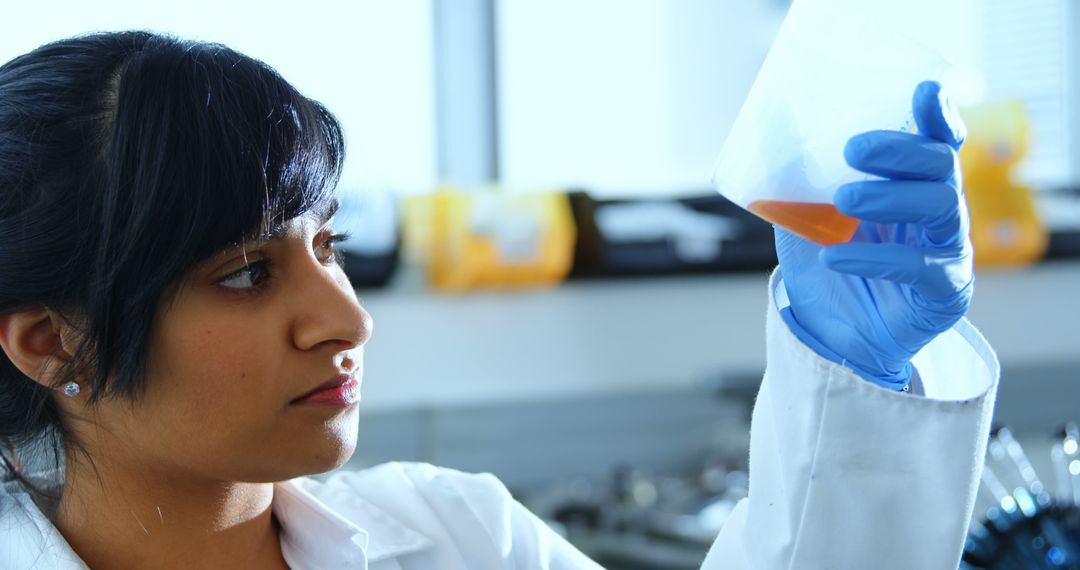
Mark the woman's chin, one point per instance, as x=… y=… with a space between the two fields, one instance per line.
x=328 y=447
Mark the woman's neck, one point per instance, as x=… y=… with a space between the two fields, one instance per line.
x=140 y=519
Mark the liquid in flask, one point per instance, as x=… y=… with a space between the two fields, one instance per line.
x=820 y=223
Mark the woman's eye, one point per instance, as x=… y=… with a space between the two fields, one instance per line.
x=249 y=276
x=326 y=252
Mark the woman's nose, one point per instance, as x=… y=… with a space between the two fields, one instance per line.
x=328 y=312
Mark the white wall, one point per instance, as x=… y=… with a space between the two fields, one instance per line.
x=624 y=95
x=369 y=61
x=637 y=96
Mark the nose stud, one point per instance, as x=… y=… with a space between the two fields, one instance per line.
x=345 y=361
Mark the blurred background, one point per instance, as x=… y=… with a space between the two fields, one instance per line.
x=561 y=298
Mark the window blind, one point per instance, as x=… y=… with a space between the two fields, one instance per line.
x=1026 y=57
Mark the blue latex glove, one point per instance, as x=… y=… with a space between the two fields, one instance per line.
x=906 y=276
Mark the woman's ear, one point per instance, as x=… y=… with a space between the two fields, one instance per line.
x=34 y=342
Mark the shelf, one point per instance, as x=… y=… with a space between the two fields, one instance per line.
x=606 y=336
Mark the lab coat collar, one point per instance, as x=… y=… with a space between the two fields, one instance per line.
x=314 y=535
x=28 y=537
x=345 y=536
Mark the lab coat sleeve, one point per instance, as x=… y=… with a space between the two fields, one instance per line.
x=845 y=474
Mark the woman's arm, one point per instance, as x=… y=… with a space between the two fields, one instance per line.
x=846 y=474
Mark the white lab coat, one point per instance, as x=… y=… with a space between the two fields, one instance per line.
x=843 y=475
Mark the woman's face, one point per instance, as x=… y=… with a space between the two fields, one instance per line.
x=250 y=330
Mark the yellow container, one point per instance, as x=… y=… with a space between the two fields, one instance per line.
x=1005 y=226
x=493 y=239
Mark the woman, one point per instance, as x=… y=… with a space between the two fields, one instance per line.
x=176 y=327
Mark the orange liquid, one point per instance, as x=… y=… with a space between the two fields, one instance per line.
x=819 y=223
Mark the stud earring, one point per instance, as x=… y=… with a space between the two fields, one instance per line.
x=71 y=389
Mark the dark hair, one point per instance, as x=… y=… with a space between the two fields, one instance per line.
x=125 y=159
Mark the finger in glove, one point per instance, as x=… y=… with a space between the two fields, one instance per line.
x=936 y=116
x=901 y=156
x=937 y=206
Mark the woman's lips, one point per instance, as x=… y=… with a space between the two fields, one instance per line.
x=341 y=390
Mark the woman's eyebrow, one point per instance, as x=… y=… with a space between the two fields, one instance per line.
x=325 y=210
x=322 y=212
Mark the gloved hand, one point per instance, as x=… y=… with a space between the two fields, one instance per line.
x=906 y=276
